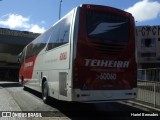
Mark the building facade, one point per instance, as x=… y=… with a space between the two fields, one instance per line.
x=148 y=46
x=12 y=43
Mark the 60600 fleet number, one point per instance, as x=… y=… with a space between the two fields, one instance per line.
x=106 y=76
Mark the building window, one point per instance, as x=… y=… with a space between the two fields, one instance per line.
x=148 y=42
x=148 y=54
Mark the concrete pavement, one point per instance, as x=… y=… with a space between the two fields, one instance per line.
x=7 y=103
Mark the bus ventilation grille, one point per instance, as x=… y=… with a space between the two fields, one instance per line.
x=108 y=48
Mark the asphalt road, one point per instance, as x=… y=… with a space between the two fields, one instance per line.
x=30 y=101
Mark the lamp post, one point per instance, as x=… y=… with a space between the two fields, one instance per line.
x=60 y=9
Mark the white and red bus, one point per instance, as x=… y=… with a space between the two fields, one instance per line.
x=87 y=56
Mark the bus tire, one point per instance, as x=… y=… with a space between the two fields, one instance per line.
x=22 y=80
x=24 y=88
x=45 y=91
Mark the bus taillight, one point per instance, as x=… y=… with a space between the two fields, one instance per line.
x=76 y=74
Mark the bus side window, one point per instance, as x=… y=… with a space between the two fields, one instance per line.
x=21 y=57
x=64 y=32
x=60 y=33
x=54 y=37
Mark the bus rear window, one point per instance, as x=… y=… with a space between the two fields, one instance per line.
x=107 y=27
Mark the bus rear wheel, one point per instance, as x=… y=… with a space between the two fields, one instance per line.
x=45 y=91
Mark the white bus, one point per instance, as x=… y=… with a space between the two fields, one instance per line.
x=87 y=56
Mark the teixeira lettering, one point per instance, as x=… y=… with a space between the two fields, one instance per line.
x=106 y=63
x=29 y=64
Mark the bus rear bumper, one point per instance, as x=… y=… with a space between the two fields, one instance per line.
x=94 y=96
